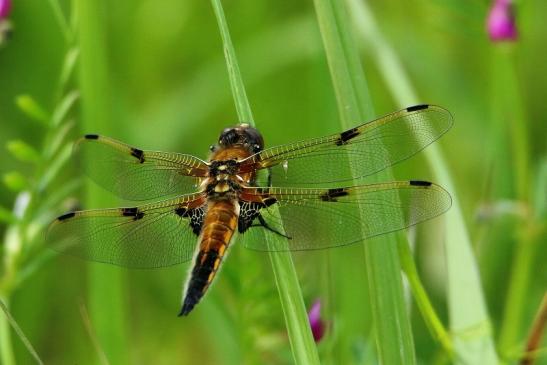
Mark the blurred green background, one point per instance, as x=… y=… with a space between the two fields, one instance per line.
x=163 y=71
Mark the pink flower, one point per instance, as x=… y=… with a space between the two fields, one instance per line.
x=5 y=7
x=501 y=21
x=316 y=323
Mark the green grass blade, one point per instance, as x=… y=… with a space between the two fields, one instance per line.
x=106 y=284
x=236 y=81
x=469 y=321
x=8 y=358
x=303 y=347
x=392 y=326
x=6 y=347
x=510 y=112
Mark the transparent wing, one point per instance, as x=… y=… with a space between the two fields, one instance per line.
x=149 y=236
x=322 y=218
x=372 y=147
x=134 y=174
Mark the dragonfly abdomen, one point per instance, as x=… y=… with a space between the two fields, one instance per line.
x=218 y=228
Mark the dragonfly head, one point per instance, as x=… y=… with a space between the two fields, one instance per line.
x=242 y=135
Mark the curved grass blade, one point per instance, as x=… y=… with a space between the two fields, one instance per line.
x=469 y=322
x=392 y=326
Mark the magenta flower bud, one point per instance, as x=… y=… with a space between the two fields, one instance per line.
x=316 y=323
x=501 y=21
x=5 y=7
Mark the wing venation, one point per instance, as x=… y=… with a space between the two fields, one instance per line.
x=323 y=218
x=355 y=153
x=147 y=236
x=138 y=175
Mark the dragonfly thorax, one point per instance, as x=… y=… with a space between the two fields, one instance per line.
x=223 y=181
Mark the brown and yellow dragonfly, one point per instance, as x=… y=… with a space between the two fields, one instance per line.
x=301 y=191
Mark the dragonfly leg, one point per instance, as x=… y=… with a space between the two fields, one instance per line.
x=264 y=224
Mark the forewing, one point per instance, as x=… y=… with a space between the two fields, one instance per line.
x=322 y=218
x=149 y=236
x=138 y=175
x=371 y=147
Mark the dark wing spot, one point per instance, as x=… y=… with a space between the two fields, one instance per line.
x=417 y=107
x=132 y=212
x=331 y=194
x=91 y=136
x=269 y=201
x=66 y=216
x=181 y=212
x=135 y=152
x=347 y=135
x=419 y=183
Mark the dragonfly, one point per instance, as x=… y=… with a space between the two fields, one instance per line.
x=302 y=194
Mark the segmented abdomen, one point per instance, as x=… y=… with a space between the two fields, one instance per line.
x=218 y=228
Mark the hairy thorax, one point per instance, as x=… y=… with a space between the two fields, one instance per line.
x=224 y=182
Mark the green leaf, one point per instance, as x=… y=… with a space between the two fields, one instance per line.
x=64 y=107
x=61 y=19
x=296 y=320
x=32 y=109
x=68 y=66
x=23 y=151
x=55 y=166
x=57 y=140
x=15 y=181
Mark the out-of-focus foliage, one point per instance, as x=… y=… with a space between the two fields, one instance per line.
x=169 y=90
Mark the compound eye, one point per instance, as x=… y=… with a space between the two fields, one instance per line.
x=212 y=148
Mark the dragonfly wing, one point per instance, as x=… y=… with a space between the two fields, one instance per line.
x=370 y=147
x=148 y=236
x=323 y=218
x=134 y=174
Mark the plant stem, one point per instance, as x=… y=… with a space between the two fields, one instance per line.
x=303 y=348
x=536 y=332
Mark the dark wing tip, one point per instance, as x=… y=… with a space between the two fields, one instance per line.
x=91 y=136
x=419 y=183
x=66 y=216
x=417 y=107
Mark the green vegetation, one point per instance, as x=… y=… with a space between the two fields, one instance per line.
x=153 y=74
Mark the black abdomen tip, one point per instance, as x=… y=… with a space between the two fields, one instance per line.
x=189 y=303
x=417 y=107
x=91 y=136
x=419 y=183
